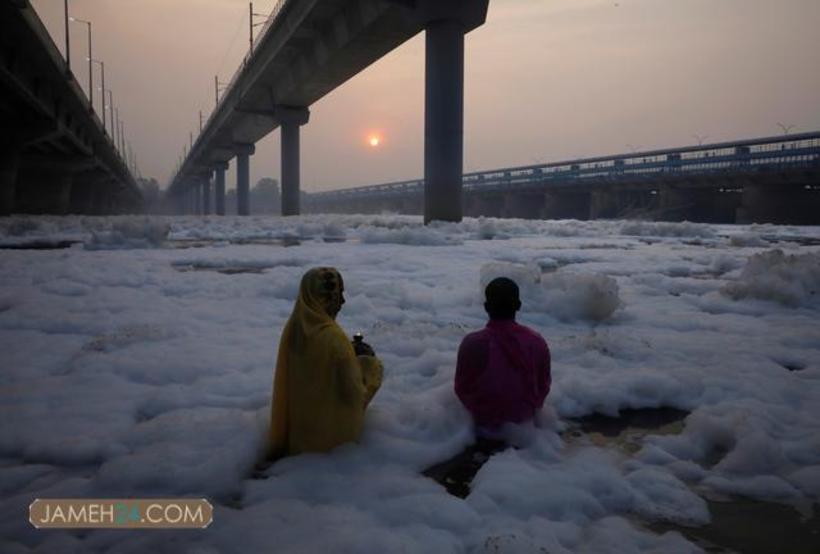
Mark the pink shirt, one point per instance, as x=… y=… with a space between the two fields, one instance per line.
x=503 y=373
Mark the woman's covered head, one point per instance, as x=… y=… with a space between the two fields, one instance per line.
x=324 y=287
x=502 y=300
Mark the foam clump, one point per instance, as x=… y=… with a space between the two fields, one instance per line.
x=748 y=239
x=566 y=295
x=666 y=229
x=578 y=296
x=408 y=236
x=131 y=232
x=525 y=275
x=790 y=279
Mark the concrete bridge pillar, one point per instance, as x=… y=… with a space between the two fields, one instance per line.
x=206 y=195
x=219 y=187
x=674 y=204
x=784 y=204
x=290 y=119
x=44 y=192
x=487 y=205
x=243 y=188
x=197 y=190
x=84 y=194
x=603 y=204
x=566 y=205
x=446 y=22
x=521 y=205
x=9 y=166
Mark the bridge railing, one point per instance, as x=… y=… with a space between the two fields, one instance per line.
x=768 y=153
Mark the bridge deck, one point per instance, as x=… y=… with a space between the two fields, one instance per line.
x=45 y=114
x=306 y=49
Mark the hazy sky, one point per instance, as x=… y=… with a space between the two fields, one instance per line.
x=545 y=80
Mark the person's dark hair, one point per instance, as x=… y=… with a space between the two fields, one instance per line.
x=502 y=299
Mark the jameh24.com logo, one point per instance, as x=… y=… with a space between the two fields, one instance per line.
x=73 y=513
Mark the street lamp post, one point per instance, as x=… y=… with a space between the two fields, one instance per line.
x=67 y=42
x=102 y=77
x=217 y=88
x=90 y=77
x=111 y=110
x=116 y=129
x=785 y=128
x=122 y=141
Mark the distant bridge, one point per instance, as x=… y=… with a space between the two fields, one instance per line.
x=772 y=179
x=306 y=49
x=55 y=156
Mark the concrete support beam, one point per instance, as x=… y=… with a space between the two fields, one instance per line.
x=47 y=193
x=60 y=193
x=243 y=194
x=197 y=198
x=781 y=204
x=206 y=195
x=85 y=193
x=446 y=23
x=603 y=204
x=9 y=165
x=219 y=187
x=566 y=205
x=290 y=119
x=443 y=121
x=523 y=205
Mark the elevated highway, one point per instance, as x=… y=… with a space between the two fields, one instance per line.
x=306 y=49
x=55 y=156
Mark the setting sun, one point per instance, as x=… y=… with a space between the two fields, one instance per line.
x=374 y=140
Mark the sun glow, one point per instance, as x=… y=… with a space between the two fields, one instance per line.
x=374 y=140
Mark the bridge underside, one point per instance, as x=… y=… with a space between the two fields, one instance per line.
x=55 y=156
x=784 y=197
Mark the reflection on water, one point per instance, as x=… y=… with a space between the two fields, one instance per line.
x=627 y=431
x=753 y=527
x=739 y=525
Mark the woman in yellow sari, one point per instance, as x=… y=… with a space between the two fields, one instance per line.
x=321 y=387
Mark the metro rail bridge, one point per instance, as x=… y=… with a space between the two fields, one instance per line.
x=305 y=50
x=772 y=179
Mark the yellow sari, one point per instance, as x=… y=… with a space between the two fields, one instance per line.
x=321 y=388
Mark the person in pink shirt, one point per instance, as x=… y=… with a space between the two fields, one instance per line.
x=503 y=370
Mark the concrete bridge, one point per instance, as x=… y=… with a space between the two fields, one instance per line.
x=55 y=155
x=773 y=179
x=306 y=49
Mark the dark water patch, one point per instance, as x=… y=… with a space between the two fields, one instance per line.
x=224 y=270
x=284 y=242
x=802 y=241
x=746 y=526
x=640 y=418
x=605 y=246
x=456 y=474
x=266 y=241
x=791 y=365
x=183 y=244
x=627 y=431
x=39 y=245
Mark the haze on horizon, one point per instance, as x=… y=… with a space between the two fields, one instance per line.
x=545 y=80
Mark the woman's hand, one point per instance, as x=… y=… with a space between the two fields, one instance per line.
x=363 y=349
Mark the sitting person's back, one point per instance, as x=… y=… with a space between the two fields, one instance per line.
x=503 y=371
